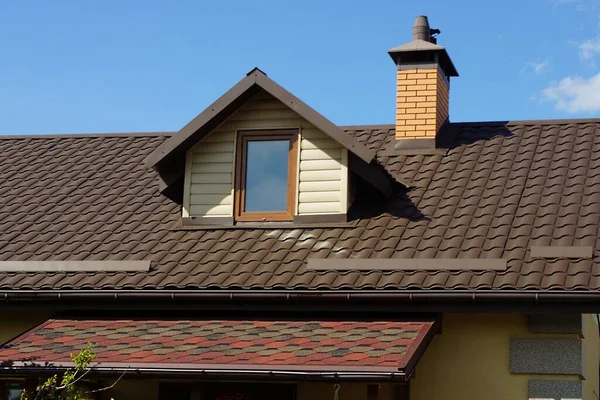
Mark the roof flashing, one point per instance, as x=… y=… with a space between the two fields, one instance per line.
x=75 y=266
x=562 y=252
x=408 y=264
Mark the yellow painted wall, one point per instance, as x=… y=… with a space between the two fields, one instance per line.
x=591 y=348
x=470 y=360
x=209 y=178
x=15 y=322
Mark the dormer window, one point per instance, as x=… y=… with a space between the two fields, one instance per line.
x=260 y=155
x=266 y=175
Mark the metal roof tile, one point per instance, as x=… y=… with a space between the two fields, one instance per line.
x=491 y=193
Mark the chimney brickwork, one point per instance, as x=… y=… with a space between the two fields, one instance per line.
x=422 y=86
x=422 y=102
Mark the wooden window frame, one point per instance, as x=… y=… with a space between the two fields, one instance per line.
x=5 y=385
x=245 y=136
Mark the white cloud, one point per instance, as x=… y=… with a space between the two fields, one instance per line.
x=538 y=67
x=557 y=3
x=574 y=94
x=589 y=50
x=580 y=5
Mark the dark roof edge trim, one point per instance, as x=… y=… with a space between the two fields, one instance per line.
x=315 y=117
x=419 y=345
x=187 y=135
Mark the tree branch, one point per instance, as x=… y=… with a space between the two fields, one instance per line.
x=75 y=381
x=108 y=387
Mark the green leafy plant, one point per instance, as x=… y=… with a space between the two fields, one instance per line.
x=68 y=386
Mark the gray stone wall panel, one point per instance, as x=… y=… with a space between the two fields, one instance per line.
x=546 y=356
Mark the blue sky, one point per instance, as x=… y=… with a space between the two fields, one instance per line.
x=117 y=66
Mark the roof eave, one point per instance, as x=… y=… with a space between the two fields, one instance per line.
x=282 y=372
x=398 y=300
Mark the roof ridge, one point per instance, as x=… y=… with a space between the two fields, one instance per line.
x=86 y=135
x=366 y=127
x=343 y=127
x=564 y=121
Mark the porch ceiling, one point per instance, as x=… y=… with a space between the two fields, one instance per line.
x=325 y=349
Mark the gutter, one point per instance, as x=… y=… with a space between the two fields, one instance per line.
x=438 y=299
x=399 y=376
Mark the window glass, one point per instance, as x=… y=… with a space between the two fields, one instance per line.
x=13 y=393
x=266 y=175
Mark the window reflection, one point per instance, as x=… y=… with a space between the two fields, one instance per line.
x=266 y=175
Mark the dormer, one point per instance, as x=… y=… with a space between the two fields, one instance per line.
x=260 y=155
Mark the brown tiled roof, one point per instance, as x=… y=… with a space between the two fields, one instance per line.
x=302 y=345
x=499 y=189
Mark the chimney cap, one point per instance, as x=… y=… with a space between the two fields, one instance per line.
x=421 y=48
x=421 y=29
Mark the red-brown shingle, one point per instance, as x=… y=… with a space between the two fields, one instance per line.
x=338 y=345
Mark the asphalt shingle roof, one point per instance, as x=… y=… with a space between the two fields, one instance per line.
x=339 y=345
x=499 y=189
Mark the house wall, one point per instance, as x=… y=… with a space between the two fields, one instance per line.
x=209 y=180
x=348 y=391
x=147 y=389
x=470 y=359
x=15 y=322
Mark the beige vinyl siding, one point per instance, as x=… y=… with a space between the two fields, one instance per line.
x=209 y=176
x=323 y=174
x=322 y=178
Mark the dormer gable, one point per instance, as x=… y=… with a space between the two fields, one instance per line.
x=261 y=155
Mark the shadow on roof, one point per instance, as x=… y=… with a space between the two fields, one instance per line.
x=464 y=134
x=371 y=204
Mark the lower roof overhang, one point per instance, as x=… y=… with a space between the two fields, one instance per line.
x=198 y=371
x=372 y=350
x=583 y=301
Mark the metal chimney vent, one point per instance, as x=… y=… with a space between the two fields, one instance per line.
x=422 y=31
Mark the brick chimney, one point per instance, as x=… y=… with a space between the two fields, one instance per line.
x=422 y=88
